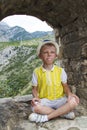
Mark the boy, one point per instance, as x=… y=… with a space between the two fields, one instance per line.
x=52 y=96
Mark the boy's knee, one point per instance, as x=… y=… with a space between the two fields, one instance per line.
x=37 y=109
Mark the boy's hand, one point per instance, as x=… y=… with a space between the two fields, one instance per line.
x=35 y=101
x=71 y=95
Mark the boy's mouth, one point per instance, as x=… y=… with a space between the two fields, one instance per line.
x=49 y=59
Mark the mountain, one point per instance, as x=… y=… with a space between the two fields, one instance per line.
x=39 y=34
x=3 y=29
x=3 y=26
x=17 y=33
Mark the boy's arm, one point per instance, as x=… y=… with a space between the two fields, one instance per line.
x=34 y=92
x=35 y=96
x=69 y=93
x=66 y=89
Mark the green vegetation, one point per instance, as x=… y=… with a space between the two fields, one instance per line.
x=15 y=77
x=7 y=44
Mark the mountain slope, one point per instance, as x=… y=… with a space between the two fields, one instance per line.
x=18 y=33
x=17 y=62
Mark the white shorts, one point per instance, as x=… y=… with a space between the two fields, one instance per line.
x=53 y=103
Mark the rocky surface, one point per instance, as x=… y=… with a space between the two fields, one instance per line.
x=58 y=124
x=14 y=114
x=5 y=55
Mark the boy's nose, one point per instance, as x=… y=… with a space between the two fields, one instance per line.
x=49 y=53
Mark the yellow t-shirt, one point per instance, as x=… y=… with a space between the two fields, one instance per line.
x=49 y=83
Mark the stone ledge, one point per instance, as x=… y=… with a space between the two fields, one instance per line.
x=79 y=123
x=14 y=114
x=24 y=98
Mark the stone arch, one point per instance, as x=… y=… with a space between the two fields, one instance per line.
x=69 y=21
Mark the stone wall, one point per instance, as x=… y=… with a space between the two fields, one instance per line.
x=69 y=20
x=74 y=55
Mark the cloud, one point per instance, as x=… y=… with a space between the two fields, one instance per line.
x=29 y=23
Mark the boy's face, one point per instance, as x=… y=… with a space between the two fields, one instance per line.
x=48 y=54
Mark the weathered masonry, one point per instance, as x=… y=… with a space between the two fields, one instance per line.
x=68 y=18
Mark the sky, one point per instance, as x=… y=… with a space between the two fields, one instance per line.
x=29 y=23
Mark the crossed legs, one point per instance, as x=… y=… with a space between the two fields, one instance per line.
x=52 y=113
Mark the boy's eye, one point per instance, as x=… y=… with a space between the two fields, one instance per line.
x=45 y=52
x=52 y=52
